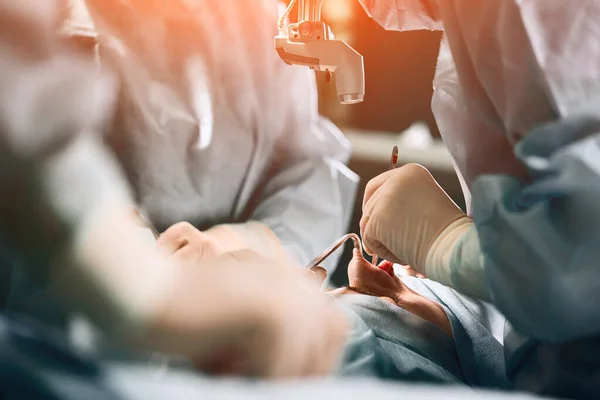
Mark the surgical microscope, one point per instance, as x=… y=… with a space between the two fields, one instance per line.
x=310 y=42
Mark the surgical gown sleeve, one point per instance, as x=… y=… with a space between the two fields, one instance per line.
x=308 y=196
x=541 y=240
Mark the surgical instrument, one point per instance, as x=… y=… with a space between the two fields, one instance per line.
x=355 y=238
x=331 y=249
x=394 y=160
x=393 y=165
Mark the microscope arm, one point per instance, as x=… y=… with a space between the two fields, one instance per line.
x=310 y=43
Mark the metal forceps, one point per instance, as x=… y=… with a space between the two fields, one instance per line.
x=357 y=242
x=331 y=249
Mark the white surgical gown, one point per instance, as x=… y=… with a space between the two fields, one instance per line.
x=213 y=127
x=517 y=100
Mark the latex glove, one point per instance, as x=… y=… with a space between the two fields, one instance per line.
x=253 y=317
x=409 y=219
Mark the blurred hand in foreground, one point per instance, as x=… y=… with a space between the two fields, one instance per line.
x=254 y=317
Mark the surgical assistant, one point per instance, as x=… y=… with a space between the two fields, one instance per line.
x=213 y=129
x=66 y=212
x=517 y=94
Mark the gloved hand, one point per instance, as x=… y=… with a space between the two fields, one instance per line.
x=185 y=242
x=409 y=219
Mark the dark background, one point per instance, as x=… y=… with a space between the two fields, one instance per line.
x=399 y=70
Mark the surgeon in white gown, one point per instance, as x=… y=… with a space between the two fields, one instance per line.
x=517 y=95
x=213 y=129
x=221 y=141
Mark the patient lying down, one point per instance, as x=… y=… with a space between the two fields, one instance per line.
x=400 y=328
x=415 y=329
x=406 y=329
